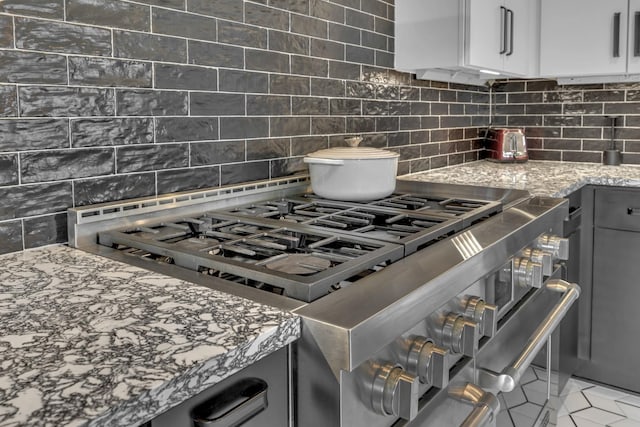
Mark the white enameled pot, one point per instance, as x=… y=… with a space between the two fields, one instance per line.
x=353 y=173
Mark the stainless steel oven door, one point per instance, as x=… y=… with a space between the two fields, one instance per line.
x=521 y=359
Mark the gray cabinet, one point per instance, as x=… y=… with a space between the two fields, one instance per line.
x=615 y=318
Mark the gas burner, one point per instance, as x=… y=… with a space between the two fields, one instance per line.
x=298 y=263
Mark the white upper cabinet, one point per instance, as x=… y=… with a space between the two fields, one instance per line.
x=589 y=40
x=467 y=41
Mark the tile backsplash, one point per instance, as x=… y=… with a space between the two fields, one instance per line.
x=102 y=100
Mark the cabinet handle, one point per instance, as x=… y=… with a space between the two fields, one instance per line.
x=616 y=35
x=633 y=211
x=636 y=34
x=511 y=16
x=503 y=26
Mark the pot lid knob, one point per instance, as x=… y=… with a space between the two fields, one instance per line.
x=353 y=141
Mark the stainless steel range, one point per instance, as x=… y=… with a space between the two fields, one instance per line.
x=420 y=309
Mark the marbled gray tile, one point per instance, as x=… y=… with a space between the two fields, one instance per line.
x=223 y=9
x=309 y=66
x=360 y=20
x=32 y=67
x=267 y=105
x=375 y=7
x=56 y=165
x=8 y=169
x=109 y=72
x=30 y=200
x=327 y=87
x=10 y=236
x=375 y=108
x=327 y=49
x=173 y=129
x=141 y=158
x=290 y=126
x=328 y=125
x=55 y=101
x=286 y=167
x=264 y=16
x=109 y=13
x=243 y=127
x=303 y=145
x=344 y=33
x=353 y=4
x=242 y=35
x=298 y=6
x=113 y=188
x=288 y=42
x=108 y=132
x=61 y=37
x=384 y=26
x=309 y=26
x=127 y=44
x=361 y=55
x=344 y=70
x=310 y=106
x=172 y=4
x=361 y=124
x=143 y=102
x=45 y=230
x=184 y=24
x=217 y=152
x=243 y=81
x=261 y=60
x=217 y=104
x=258 y=149
x=374 y=40
x=6 y=31
x=243 y=172
x=360 y=90
x=345 y=107
x=214 y=54
x=33 y=134
x=171 y=181
x=291 y=85
x=169 y=76
x=327 y=11
x=52 y=9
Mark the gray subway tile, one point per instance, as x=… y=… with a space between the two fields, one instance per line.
x=384 y=26
x=62 y=37
x=307 y=144
x=310 y=106
x=6 y=31
x=361 y=90
x=344 y=70
x=109 y=72
x=361 y=124
x=53 y=101
x=327 y=49
x=109 y=13
x=328 y=125
x=141 y=158
x=217 y=104
x=260 y=60
x=33 y=134
x=243 y=172
x=144 y=102
x=327 y=87
x=171 y=181
x=243 y=81
x=268 y=105
x=264 y=16
x=361 y=55
x=8 y=169
x=243 y=127
x=354 y=4
x=286 y=167
x=298 y=6
x=10 y=236
x=360 y=20
x=384 y=59
x=327 y=11
x=375 y=108
x=45 y=230
x=223 y=9
x=30 y=200
x=173 y=129
x=285 y=84
x=344 y=33
x=183 y=24
x=309 y=26
x=375 y=7
x=309 y=66
x=214 y=54
x=127 y=44
x=345 y=107
x=113 y=188
x=108 y=132
x=242 y=35
x=290 y=126
x=374 y=40
x=287 y=42
x=56 y=165
x=168 y=76
x=53 y=9
x=259 y=149
x=217 y=152
x=32 y=67
x=172 y=4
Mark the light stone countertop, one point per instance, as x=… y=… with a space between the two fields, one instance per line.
x=540 y=178
x=85 y=340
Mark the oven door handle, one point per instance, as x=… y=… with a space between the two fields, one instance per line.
x=486 y=404
x=510 y=376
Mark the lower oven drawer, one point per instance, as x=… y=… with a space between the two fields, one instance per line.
x=256 y=396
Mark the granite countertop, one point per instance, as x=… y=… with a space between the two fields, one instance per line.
x=85 y=340
x=540 y=178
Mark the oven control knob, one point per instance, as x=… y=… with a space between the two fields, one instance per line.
x=541 y=257
x=395 y=393
x=485 y=315
x=460 y=335
x=428 y=362
x=527 y=273
x=558 y=246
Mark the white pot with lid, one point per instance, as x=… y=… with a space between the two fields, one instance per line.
x=353 y=173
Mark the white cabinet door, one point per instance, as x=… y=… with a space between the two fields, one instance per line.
x=579 y=37
x=634 y=37
x=522 y=49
